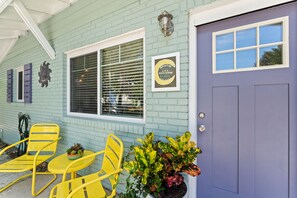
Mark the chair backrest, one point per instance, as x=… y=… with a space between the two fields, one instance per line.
x=113 y=156
x=42 y=134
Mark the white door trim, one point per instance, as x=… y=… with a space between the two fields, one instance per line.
x=220 y=9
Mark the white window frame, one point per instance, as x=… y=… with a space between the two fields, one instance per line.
x=97 y=47
x=18 y=70
x=284 y=43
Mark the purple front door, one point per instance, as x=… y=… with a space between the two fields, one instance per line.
x=247 y=104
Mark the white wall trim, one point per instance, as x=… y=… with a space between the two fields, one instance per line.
x=205 y=14
x=123 y=38
x=4 y=4
x=7 y=48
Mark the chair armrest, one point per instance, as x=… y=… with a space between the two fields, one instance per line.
x=38 y=152
x=93 y=181
x=78 y=160
x=13 y=145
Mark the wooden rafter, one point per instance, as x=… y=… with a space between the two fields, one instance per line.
x=24 y=14
x=14 y=25
x=8 y=37
x=7 y=48
x=4 y=4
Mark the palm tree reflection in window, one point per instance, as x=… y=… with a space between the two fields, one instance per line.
x=271 y=56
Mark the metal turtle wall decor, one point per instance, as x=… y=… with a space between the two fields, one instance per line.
x=44 y=74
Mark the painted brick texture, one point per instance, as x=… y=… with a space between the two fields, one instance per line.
x=84 y=23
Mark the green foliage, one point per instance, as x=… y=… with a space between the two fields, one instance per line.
x=77 y=148
x=146 y=167
x=273 y=57
x=179 y=154
x=152 y=165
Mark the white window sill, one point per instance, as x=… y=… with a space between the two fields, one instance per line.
x=108 y=118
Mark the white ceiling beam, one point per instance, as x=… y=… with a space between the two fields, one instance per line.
x=64 y=1
x=69 y=2
x=13 y=33
x=38 y=6
x=15 y=25
x=10 y=14
x=7 y=48
x=24 y=14
x=4 y=4
x=8 y=37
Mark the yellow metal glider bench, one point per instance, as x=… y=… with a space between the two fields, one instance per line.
x=42 y=144
x=90 y=185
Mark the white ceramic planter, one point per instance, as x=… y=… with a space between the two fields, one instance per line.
x=186 y=180
x=149 y=196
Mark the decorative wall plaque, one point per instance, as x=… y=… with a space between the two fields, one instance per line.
x=44 y=74
x=166 y=72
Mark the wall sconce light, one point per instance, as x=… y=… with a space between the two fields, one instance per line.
x=165 y=23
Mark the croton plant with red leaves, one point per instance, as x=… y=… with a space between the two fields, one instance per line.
x=154 y=166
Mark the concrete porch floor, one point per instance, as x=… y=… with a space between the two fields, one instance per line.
x=23 y=188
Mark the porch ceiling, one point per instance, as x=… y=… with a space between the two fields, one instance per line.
x=19 y=16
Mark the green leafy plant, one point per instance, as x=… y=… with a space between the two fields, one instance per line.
x=179 y=155
x=77 y=148
x=146 y=168
x=154 y=166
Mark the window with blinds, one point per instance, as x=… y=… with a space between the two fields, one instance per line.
x=83 y=90
x=121 y=71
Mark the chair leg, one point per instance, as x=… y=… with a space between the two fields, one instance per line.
x=33 y=182
x=15 y=181
x=45 y=186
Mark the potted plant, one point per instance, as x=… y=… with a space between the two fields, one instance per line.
x=76 y=151
x=156 y=167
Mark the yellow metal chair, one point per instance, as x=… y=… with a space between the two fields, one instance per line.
x=42 y=144
x=90 y=185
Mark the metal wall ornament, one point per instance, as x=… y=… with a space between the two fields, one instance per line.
x=44 y=74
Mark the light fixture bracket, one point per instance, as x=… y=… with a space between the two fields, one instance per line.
x=165 y=23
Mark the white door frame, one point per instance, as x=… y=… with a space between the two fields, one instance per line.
x=220 y=9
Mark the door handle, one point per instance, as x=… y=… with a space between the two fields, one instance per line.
x=201 y=128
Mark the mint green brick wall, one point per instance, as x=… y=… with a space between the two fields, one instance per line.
x=84 y=23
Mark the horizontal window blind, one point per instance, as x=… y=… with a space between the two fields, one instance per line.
x=122 y=80
x=83 y=74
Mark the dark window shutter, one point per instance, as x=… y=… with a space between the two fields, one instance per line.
x=28 y=83
x=9 y=85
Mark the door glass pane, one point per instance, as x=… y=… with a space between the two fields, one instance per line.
x=225 y=61
x=246 y=58
x=272 y=55
x=246 y=38
x=251 y=46
x=271 y=33
x=224 y=42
